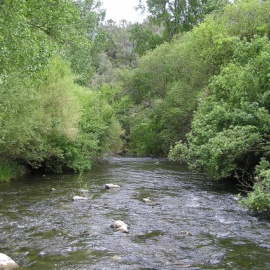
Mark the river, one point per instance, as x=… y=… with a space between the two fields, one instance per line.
x=191 y=221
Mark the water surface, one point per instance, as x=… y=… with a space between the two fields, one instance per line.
x=191 y=222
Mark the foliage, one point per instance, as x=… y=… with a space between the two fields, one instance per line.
x=119 y=53
x=91 y=38
x=121 y=105
x=246 y=18
x=33 y=31
x=99 y=133
x=166 y=88
x=259 y=198
x=32 y=117
x=120 y=48
x=145 y=38
x=216 y=36
x=30 y=31
x=57 y=125
x=179 y=16
x=43 y=117
x=10 y=170
x=143 y=133
x=230 y=130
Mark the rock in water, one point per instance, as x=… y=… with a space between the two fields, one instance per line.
x=6 y=262
x=120 y=225
x=79 y=198
x=108 y=186
x=122 y=229
x=84 y=190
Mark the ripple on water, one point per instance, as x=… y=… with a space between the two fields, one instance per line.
x=190 y=223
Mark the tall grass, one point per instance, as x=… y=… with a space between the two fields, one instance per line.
x=10 y=170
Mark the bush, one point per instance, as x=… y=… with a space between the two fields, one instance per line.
x=54 y=123
x=230 y=129
x=10 y=170
x=259 y=198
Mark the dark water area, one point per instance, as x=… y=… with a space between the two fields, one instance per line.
x=191 y=222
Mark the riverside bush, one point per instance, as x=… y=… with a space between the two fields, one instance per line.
x=230 y=130
x=10 y=170
x=53 y=123
x=259 y=198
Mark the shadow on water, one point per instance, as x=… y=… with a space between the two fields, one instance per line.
x=190 y=221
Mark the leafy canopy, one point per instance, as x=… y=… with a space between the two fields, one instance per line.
x=179 y=16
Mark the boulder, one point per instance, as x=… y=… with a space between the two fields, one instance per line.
x=6 y=262
x=108 y=186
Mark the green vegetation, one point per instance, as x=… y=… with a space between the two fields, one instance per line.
x=229 y=134
x=47 y=120
x=208 y=89
x=9 y=170
x=191 y=83
x=179 y=16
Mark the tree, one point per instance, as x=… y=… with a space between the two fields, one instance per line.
x=146 y=37
x=41 y=112
x=179 y=16
x=32 y=31
x=120 y=48
x=90 y=42
x=230 y=130
x=119 y=53
x=165 y=88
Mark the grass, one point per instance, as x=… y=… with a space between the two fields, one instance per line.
x=10 y=170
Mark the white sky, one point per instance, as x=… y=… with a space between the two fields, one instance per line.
x=118 y=10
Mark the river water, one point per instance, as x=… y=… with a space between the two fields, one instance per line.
x=191 y=222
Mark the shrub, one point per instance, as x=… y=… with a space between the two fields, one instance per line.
x=259 y=198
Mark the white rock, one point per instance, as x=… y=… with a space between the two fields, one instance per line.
x=79 y=198
x=117 y=258
x=108 y=186
x=6 y=262
x=123 y=229
x=120 y=225
x=146 y=200
x=84 y=190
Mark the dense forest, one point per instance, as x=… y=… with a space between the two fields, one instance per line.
x=191 y=83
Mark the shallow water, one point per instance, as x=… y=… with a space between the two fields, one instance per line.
x=191 y=222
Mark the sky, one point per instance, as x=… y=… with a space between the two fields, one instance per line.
x=118 y=10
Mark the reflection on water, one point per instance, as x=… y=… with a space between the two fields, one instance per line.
x=190 y=223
